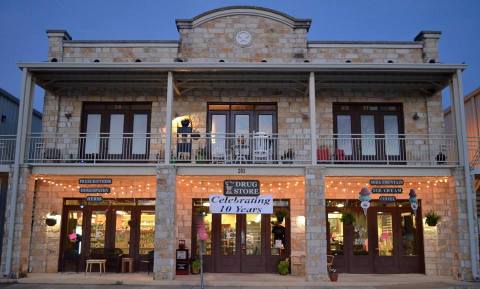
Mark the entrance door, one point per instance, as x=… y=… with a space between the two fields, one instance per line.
x=385 y=238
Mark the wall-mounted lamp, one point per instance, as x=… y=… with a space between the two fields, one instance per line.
x=415 y=116
x=68 y=115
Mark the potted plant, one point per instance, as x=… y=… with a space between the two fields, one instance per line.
x=196 y=266
x=281 y=214
x=288 y=156
x=432 y=218
x=333 y=274
x=347 y=218
x=283 y=267
x=50 y=222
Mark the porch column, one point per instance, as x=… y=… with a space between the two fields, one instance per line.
x=313 y=118
x=458 y=110
x=315 y=225
x=168 y=118
x=165 y=237
x=23 y=126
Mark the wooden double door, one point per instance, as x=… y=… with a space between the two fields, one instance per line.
x=387 y=240
x=107 y=232
x=243 y=243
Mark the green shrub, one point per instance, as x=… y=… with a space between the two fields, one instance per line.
x=283 y=267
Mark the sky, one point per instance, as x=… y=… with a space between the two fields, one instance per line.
x=23 y=24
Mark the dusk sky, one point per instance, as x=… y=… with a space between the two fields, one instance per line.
x=23 y=24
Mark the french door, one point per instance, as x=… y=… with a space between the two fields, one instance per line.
x=369 y=132
x=117 y=131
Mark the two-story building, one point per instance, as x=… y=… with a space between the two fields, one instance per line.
x=286 y=138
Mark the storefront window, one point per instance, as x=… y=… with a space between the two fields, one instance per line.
x=254 y=234
x=384 y=234
x=228 y=235
x=336 y=233
x=147 y=232
x=122 y=231
x=278 y=237
x=409 y=232
x=207 y=221
x=97 y=234
x=360 y=234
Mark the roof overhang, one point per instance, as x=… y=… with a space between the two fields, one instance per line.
x=428 y=77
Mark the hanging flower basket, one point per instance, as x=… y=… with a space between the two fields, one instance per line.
x=432 y=218
x=50 y=222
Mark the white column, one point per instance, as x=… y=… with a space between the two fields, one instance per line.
x=23 y=125
x=313 y=118
x=168 y=119
x=458 y=109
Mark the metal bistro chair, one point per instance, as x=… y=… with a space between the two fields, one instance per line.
x=330 y=262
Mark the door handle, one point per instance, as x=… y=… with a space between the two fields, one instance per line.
x=242 y=235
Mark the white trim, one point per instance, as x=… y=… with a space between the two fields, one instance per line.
x=386 y=172
x=312 y=117
x=114 y=170
x=121 y=44
x=239 y=171
x=5 y=168
x=168 y=118
x=366 y=45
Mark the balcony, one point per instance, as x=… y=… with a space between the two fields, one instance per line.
x=7 y=149
x=244 y=149
x=473 y=146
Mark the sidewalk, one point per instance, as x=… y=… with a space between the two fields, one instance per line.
x=358 y=281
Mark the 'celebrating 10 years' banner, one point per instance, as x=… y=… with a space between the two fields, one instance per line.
x=220 y=204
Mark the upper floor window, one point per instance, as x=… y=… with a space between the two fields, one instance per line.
x=115 y=130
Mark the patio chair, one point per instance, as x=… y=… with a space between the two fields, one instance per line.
x=261 y=147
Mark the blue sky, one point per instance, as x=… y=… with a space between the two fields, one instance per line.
x=23 y=24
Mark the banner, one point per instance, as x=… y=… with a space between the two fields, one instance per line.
x=220 y=204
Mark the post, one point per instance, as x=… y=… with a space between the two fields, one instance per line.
x=168 y=119
x=313 y=121
x=23 y=125
x=458 y=109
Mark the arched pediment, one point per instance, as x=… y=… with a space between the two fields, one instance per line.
x=210 y=15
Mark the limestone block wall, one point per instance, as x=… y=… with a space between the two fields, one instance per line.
x=203 y=186
x=446 y=246
x=369 y=53
x=81 y=52
x=272 y=41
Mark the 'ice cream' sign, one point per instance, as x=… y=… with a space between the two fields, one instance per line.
x=241 y=205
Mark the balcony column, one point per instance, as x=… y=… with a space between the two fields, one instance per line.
x=23 y=127
x=168 y=118
x=313 y=118
x=458 y=110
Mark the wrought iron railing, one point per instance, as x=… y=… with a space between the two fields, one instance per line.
x=473 y=146
x=7 y=149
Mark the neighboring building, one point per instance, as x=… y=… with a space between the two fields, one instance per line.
x=8 y=131
x=307 y=124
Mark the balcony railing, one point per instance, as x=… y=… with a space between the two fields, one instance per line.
x=7 y=149
x=395 y=149
x=93 y=148
x=248 y=148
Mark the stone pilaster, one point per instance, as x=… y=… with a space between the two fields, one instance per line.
x=55 y=44
x=315 y=225
x=429 y=40
x=165 y=225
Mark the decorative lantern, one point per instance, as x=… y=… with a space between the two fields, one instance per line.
x=413 y=200
x=364 y=197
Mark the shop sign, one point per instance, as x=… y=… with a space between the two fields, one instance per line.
x=94 y=190
x=387 y=190
x=94 y=199
x=95 y=181
x=241 y=188
x=220 y=204
x=375 y=182
x=387 y=198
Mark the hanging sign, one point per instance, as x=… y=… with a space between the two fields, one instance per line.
x=94 y=190
x=387 y=190
x=241 y=188
x=94 y=199
x=375 y=182
x=95 y=181
x=241 y=205
x=387 y=198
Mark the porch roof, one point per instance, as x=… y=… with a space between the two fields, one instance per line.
x=422 y=76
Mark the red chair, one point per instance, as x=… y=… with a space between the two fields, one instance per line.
x=323 y=154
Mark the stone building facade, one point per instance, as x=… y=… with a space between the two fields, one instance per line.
x=317 y=113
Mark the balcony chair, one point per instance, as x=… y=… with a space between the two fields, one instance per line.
x=261 y=147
